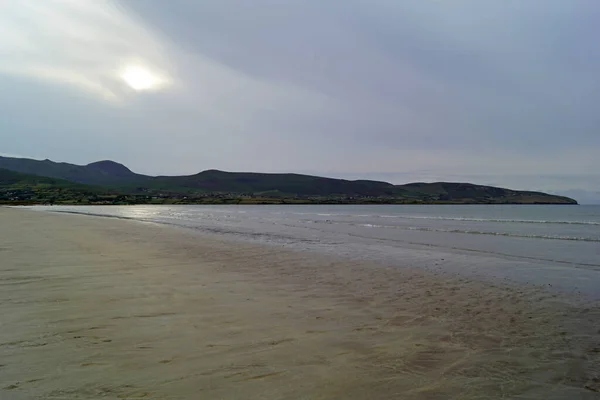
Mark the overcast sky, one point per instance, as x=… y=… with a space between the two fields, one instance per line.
x=493 y=92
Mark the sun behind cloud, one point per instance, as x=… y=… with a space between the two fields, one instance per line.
x=97 y=47
x=140 y=78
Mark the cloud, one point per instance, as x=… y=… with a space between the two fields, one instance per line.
x=83 y=44
x=461 y=90
x=406 y=73
x=84 y=47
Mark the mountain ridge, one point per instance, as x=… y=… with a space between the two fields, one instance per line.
x=114 y=176
x=97 y=173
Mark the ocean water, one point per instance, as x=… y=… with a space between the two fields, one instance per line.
x=554 y=246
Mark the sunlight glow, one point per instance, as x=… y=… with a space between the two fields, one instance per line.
x=140 y=78
x=96 y=46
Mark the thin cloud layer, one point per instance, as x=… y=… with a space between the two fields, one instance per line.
x=494 y=92
x=85 y=44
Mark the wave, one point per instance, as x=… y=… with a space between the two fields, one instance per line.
x=499 y=220
x=477 y=232
x=466 y=219
x=383 y=226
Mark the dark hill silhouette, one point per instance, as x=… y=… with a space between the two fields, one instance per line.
x=98 y=173
x=114 y=176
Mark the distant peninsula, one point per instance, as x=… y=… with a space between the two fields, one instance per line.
x=26 y=181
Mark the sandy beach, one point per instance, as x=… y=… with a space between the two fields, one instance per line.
x=94 y=307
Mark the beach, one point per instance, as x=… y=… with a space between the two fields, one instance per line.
x=95 y=307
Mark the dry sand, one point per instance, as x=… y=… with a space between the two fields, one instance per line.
x=102 y=308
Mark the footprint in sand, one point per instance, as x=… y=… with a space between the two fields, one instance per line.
x=263 y=376
x=12 y=387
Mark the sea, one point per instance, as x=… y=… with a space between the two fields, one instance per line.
x=557 y=247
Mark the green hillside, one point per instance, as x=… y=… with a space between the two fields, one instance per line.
x=468 y=193
x=274 y=184
x=18 y=188
x=305 y=186
x=115 y=184
x=98 y=173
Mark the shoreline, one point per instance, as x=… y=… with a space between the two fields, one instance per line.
x=575 y=279
x=103 y=307
x=288 y=202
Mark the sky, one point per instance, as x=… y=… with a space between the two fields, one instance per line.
x=491 y=92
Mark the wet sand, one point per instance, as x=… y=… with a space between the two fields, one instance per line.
x=94 y=307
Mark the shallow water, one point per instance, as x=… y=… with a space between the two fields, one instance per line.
x=557 y=246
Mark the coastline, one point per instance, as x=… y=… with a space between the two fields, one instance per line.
x=101 y=307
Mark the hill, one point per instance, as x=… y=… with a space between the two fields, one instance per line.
x=295 y=185
x=269 y=184
x=468 y=193
x=18 y=188
x=97 y=173
x=219 y=186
